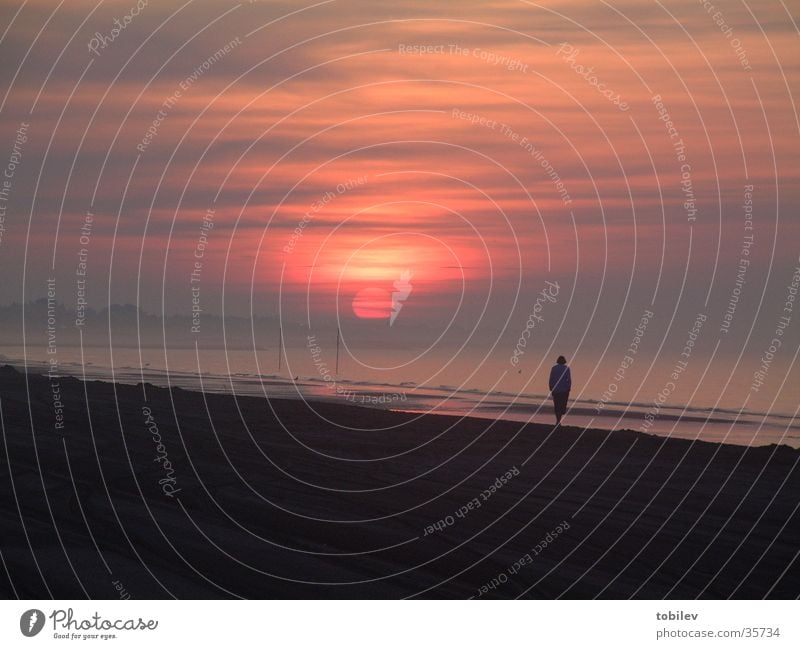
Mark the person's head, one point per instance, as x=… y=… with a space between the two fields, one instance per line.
x=561 y=360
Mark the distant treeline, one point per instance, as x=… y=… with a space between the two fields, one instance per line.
x=126 y=324
x=51 y=322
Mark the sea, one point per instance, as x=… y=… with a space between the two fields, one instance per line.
x=711 y=401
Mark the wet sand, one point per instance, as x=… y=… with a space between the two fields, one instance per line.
x=172 y=493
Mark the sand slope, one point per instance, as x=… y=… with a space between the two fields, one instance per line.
x=280 y=500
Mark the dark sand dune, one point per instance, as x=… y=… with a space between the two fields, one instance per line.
x=278 y=500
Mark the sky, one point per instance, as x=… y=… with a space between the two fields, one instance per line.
x=299 y=160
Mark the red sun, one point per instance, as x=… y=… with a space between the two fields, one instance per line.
x=372 y=303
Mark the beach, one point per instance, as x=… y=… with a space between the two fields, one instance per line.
x=138 y=491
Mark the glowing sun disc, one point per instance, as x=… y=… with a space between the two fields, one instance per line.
x=372 y=303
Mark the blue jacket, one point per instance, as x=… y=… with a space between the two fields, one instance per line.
x=560 y=379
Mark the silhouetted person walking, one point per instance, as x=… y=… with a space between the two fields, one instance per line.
x=560 y=385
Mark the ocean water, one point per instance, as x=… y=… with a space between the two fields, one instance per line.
x=708 y=402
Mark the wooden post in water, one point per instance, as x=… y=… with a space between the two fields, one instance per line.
x=337 y=351
x=280 y=346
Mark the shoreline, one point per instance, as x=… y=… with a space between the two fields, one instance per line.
x=749 y=427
